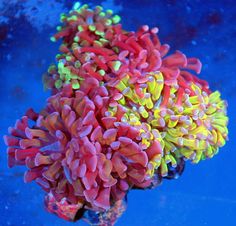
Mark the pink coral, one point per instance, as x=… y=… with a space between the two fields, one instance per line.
x=108 y=53
x=123 y=115
x=76 y=150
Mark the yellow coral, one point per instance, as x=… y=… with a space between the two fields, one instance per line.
x=193 y=128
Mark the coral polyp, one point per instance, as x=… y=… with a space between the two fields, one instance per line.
x=123 y=114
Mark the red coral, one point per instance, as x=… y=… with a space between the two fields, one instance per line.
x=119 y=118
x=118 y=52
x=75 y=150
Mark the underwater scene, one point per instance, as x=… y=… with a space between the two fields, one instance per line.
x=117 y=112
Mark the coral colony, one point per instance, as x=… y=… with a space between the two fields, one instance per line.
x=123 y=114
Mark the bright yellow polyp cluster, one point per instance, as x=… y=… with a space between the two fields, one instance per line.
x=192 y=125
x=151 y=90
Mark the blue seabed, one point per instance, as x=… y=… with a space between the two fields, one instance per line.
x=206 y=193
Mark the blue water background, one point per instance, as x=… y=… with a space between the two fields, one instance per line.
x=206 y=193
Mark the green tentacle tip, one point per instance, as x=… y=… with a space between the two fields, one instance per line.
x=80 y=28
x=77 y=64
x=53 y=39
x=102 y=14
x=108 y=22
x=62 y=17
x=92 y=27
x=99 y=8
x=67 y=77
x=101 y=72
x=98 y=43
x=116 y=49
x=76 y=39
x=75 y=84
x=59 y=28
x=100 y=33
x=68 y=58
x=58 y=84
x=52 y=68
x=60 y=65
x=73 y=17
x=85 y=6
x=116 y=65
x=116 y=19
x=109 y=12
x=76 y=5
